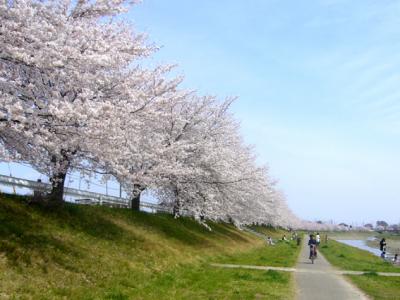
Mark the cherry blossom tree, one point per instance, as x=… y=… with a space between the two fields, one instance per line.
x=63 y=67
x=73 y=96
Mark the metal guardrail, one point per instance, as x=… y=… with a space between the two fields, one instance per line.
x=82 y=197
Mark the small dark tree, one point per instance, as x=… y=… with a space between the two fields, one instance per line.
x=382 y=224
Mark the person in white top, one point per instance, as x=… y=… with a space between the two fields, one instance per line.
x=318 y=238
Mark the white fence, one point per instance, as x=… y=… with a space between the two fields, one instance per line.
x=80 y=196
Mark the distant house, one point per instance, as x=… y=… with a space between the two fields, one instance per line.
x=344 y=226
x=381 y=225
x=369 y=226
x=394 y=228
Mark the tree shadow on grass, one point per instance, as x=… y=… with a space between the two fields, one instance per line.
x=89 y=220
x=27 y=231
x=22 y=236
x=229 y=231
x=184 y=229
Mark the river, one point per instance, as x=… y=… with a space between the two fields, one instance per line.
x=361 y=244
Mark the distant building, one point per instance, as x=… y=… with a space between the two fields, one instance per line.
x=369 y=226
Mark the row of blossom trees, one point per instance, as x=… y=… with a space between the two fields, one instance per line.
x=74 y=96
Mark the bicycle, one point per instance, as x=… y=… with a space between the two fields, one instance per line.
x=313 y=253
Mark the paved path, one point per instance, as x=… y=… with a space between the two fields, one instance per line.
x=321 y=281
x=303 y=270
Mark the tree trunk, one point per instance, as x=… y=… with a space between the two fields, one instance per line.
x=57 y=187
x=135 y=201
x=177 y=205
x=56 y=195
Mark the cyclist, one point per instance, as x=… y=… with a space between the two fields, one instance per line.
x=313 y=246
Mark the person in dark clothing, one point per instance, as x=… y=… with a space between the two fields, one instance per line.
x=313 y=246
x=382 y=244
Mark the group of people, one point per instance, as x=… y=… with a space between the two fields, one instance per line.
x=284 y=238
x=382 y=247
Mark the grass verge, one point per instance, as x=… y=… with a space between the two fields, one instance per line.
x=379 y=287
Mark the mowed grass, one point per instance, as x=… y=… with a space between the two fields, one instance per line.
x=206 y=282
x=282 y=254
x=379 y=287
x=82 y=252
x=349 y=258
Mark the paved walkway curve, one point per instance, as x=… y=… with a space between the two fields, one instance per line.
x=309 y=270
x=322 y=282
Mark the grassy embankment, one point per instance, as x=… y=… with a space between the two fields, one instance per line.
x=350 y=258
x=81 y=252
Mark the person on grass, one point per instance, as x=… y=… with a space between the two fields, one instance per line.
x=382 y=244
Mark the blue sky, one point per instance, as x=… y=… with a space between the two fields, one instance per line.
x=318 y=88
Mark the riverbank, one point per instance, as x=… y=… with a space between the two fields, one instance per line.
x=371 y=239
x=350 y=258
x=392 y=242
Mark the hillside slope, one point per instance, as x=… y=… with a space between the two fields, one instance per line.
x=86 y=252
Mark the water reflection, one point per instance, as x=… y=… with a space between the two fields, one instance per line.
x=361 y=244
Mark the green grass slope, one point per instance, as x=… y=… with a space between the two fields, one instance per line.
x=82 y=252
